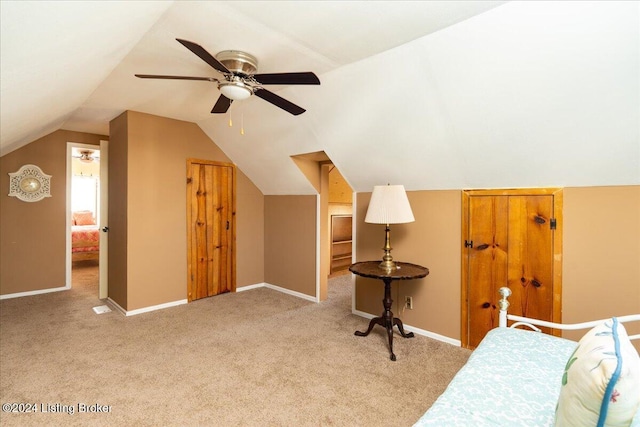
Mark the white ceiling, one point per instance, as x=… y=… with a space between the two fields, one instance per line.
x=431 y=94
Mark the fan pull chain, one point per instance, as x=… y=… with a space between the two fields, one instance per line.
x=241 y=122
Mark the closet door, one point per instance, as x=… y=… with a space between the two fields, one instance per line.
x=210 y=228
x=511 y=239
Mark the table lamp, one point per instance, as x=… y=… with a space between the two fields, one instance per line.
x=389 y=205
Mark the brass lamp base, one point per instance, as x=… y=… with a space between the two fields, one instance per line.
x=388 y=265
x=387 y=260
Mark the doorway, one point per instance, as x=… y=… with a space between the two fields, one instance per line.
x=335 y=198
x=86 y=216
x=511 y=238
x=340 y=210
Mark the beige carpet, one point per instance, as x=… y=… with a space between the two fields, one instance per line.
x=254 y=358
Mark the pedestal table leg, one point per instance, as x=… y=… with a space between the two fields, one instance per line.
x=387 y=320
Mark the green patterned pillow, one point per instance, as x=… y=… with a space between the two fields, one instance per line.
x=601 y=382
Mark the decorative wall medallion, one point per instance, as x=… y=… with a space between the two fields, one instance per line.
x=29 y=184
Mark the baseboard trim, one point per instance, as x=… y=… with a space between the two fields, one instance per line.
x=117 y=306
x=38 y=292
x=279 y=289
x=146 y=309
x=433 y=335
x=249 y=287
x=415 y=330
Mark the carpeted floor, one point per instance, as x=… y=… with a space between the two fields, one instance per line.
x=253 y=358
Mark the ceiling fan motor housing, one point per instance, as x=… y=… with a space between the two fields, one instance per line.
x=238 y=62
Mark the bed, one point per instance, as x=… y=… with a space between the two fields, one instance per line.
x=85 y=236
x=522 y=377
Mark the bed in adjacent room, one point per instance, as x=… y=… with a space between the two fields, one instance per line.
x=85 y=236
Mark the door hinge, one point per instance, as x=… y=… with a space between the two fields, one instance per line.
x=553 y=223
x=468 y=243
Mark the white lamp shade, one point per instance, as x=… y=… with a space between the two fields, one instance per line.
x=236 y=92
x=389 y=205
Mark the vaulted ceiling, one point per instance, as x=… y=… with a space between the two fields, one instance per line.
x=432 y=94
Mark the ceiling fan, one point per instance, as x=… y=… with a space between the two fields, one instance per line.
x=86 y=156
x=240 y=81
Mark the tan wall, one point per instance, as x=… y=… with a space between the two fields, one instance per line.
x=147 y=213
x=249 y=232
x=601 y=271
x=157 y=152
x=33 y=234
x=601 y=274
x=310 y=168
x=290 y=242
x=118 y=178
x=431 y=241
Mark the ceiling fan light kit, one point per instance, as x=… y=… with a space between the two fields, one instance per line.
x=235 y=91
x=240 y=78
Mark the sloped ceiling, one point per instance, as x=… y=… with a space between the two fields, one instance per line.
x=432 y=95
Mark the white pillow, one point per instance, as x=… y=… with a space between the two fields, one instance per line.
x=601 y=382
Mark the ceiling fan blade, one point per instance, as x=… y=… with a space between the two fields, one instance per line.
x=154 y=76
x=204 y=55
x=279 y=101
x=305 y=78
x=222 y=105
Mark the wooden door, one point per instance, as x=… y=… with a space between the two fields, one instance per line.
x=510 y=238
x=210 y=228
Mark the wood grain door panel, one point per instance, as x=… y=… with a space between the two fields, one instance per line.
x=530 y=266
x=509 y=241
x=488 y=260
x=210 y=229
